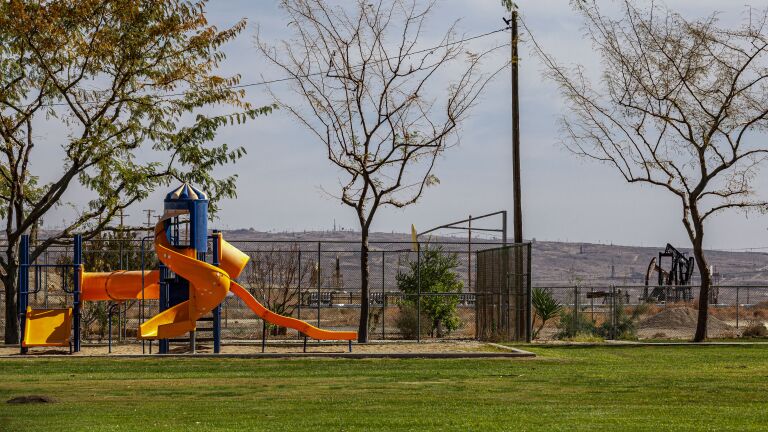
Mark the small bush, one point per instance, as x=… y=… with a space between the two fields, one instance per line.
x=407 y=322
x=570 y=326
x=622 y=328
x=755 y=329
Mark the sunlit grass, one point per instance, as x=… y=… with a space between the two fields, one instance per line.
x=566 y=388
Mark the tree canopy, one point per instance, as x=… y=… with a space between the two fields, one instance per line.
x=113 y=89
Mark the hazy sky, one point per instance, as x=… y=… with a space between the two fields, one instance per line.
x=565 y=198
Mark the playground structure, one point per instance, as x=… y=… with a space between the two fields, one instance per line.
x=186 y=285
x=674 y=284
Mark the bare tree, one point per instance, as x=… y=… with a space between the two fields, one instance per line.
x=276 y=276
x=682 y=105
x=369 y=96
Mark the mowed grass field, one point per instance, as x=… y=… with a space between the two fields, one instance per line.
x=568 y=389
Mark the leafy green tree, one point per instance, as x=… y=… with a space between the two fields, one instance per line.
x=437 y=271
x=545 y=307
x=117 y=85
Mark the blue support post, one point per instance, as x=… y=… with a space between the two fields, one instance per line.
x=78 y=261
x=163 y=345
x=23 y=293
x=217 y=309
x=163 y=305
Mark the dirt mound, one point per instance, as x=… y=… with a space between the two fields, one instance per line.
x=31 y=399
x=679 y=318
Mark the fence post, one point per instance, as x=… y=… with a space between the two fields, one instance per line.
x=299 y=274
x=612 y=333
x=318 y=284
x=383 y=294
x=737 y=307
x=574 y=322
x=45 y=284
x=529 y=302
x=418 y=294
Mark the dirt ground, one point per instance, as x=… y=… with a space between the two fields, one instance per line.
x=275 y=347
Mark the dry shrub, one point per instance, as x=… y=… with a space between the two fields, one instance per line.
x=723 y=313
x=653 y=309
x=755 y=329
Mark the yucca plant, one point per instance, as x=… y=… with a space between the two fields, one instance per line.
x=545 y=307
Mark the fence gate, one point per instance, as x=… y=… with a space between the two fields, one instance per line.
x=503 y=290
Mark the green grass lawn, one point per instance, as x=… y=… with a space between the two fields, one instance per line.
x=604 y=388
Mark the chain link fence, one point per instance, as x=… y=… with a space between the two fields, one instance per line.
x=318 y=282
x=670 y=313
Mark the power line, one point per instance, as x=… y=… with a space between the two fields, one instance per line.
x=284 y=79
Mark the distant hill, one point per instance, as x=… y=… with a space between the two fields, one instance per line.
x=553 y=263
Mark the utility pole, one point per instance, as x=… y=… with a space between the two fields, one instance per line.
x=516 y=189
x=122 y=217
x=149 y=217
x=523 y=322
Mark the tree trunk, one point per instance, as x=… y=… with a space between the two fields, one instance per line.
x=10 y=281
x=362 y=332
x=706 y=282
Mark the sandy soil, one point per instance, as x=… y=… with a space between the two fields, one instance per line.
x=281 y=347
x=681 y=323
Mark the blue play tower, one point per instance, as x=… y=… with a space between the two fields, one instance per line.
x=186 y=200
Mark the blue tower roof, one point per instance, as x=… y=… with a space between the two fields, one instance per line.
x=186 y=192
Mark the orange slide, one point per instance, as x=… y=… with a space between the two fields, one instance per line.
x=283 y=321
x=208 y=285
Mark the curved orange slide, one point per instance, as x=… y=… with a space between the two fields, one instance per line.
x=208 y=285
x=283 y=321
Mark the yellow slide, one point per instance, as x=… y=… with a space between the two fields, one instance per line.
x=47 y=327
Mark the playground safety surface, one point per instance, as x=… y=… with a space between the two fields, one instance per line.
x=290 y=349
